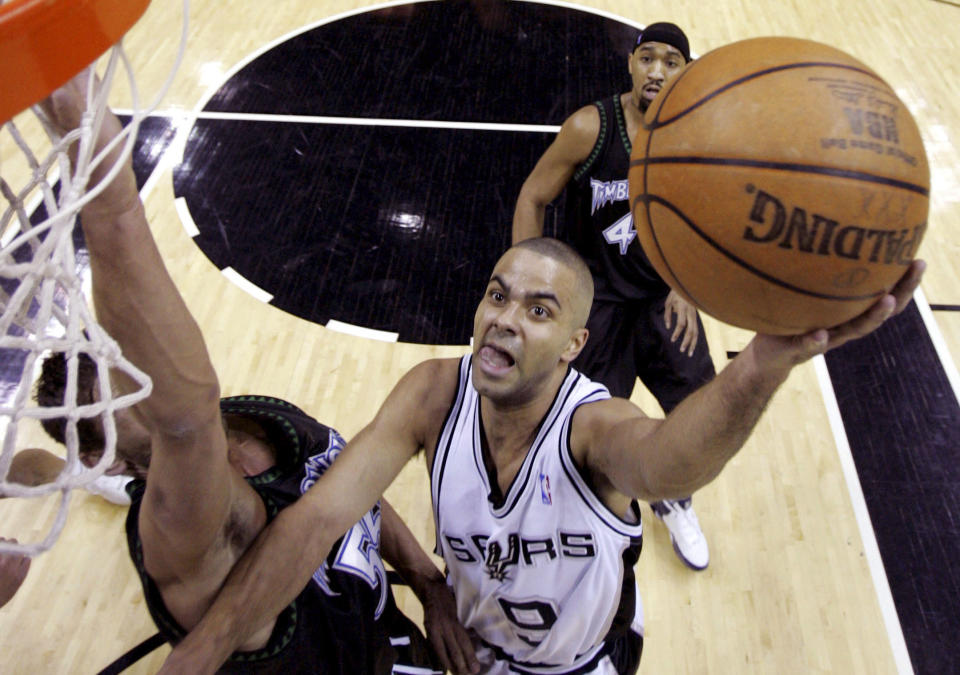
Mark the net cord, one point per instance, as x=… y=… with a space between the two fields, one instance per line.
x=49 y=298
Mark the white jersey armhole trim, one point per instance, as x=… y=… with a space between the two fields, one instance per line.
x=612 y=520
x=443 y=443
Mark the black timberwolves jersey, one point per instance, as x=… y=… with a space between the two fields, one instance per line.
x=598 y=215
x=344 y=620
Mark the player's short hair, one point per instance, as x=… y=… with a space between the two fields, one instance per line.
x=50 y=391
x=567 y=256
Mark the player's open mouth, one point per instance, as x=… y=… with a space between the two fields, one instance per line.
x=495 y=360
x=651 y=91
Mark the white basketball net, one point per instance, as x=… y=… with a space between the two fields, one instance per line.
x=42 y=305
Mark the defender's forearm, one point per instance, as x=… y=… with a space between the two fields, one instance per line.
x=405 y=554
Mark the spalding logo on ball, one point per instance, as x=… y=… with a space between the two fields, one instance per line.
x=780 y=185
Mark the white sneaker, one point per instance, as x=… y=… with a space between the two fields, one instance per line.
x=111 y=488
x=688 y=541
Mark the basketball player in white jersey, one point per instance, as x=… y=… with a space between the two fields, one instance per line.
x=535 y=474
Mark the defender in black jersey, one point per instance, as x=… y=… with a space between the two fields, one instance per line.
x=345 y=620
x=636 y=320
x=217 y=472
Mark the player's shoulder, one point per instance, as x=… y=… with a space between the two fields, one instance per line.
x=425 y=395
x=598 y=419
x=432 y=382
x=577 y=137
x=436 y=368
x=606 y=411
x=583 y=126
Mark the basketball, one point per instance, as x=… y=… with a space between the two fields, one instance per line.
x=779 y=185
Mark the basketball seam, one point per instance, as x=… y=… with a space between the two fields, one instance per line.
x=784 y=166
x=657 y=123
x=646 y=206
x=742 y=263
x=656 y=241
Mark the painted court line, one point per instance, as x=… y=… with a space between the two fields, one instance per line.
x=185 y=218
x=939 y=344
x=870 y=548
x=358 y=121
x=360 y=331
x=244 y=284
x=379 y=122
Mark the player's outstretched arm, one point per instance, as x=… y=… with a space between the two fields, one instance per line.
x=447 y=635
x=135 y=298
x=285 y=555
x=553 y=170
x=138 y=304
x=653 y=459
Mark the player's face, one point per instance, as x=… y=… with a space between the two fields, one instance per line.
x=652 y=66
x=523 y=330
x=133 y=443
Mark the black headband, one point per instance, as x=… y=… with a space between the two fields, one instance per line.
x=668 y=34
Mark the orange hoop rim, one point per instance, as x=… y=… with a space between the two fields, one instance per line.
x=43 y=43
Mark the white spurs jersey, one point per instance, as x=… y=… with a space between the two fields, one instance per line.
x=540 y=577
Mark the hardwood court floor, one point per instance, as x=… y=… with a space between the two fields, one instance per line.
x=790 y=586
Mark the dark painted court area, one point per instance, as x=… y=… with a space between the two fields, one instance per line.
x=383 y=227
x=901 y=418
x=517 y=63
x=390 y=227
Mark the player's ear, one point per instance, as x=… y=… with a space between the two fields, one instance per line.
x=575 y=345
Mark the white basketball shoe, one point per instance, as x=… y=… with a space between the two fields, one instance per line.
x=688 y=541
x=111 y=488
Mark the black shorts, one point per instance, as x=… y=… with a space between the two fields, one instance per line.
x=628 y=339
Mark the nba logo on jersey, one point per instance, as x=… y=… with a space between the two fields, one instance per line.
x=545 y=489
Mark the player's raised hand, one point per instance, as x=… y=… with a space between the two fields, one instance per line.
x=64 y=111
x=784 y=352
x=64 y=107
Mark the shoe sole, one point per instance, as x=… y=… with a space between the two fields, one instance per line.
x=676 y=549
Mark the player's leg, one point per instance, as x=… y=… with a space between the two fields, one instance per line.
x=35 y=466
x=607 y=357
x=414 y=653
x=667 y=372
x=671 y=376
x=626 y=648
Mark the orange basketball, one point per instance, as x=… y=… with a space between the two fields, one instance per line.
x=780 y=185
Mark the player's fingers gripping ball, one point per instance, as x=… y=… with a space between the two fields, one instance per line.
x=780 y=185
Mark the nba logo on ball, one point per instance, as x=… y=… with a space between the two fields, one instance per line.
x=780 y=185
